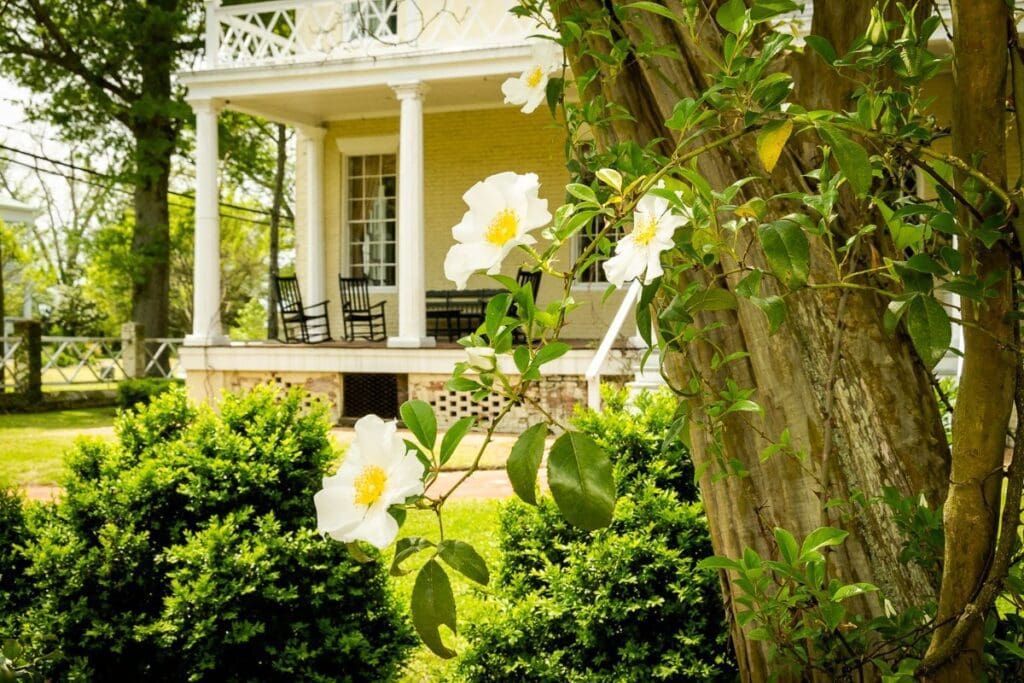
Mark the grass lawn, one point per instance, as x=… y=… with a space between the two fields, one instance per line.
x=32 y=446
x=476 y=523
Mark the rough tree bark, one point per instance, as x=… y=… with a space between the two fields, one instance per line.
x=985 y=396
x=885 y=426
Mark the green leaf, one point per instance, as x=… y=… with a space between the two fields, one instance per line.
x=833 y=614
x=433 y=606
x=497 y=307
x=852 y=589
x=762 y=10
x=852 y=158
x=419 y=418
x=929 y=329
x=582 y=192
x=404 y=549
x=611 y=177
x=463 y=558
x=730 y=16
x=453 y=437
x=712 y=299
x=653 y=8
x=719 y=562
x=787 y=545
x=823 y=48
x=774 y=308
x=553 y=93
x=549 y=352
x=581 y=482
x=771 y=140
x=521 y=356
x=524 y=462
x=787 y=250
x=821 y=537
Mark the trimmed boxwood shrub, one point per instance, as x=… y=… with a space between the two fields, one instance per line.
x=14 y=589
x=186 y=551
x=626 y=603
x=135 y=392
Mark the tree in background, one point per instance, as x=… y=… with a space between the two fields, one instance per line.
x=103 y=76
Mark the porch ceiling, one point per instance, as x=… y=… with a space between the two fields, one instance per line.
x=311 y=94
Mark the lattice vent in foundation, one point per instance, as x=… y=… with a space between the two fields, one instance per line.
x=451 y=406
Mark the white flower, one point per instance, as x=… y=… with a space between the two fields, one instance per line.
x=378 y=471
x=502 y=210
x=639 y=252
x=482 y=358
x=530 y=88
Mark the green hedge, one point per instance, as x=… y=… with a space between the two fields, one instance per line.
x=186 y=551
x=134 y=392
x=625 y=603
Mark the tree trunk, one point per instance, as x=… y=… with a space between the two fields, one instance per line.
x=275 y=228
x=985 y=395
x=874 y=403
x=151 y=247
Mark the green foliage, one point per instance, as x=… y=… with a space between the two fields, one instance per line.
x=132 y=393
x=624 y=603
x=14 y=589
x=184 y=551
x=250 y=321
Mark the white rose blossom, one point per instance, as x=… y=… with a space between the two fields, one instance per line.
x=530 y=88
x=378 y=471
x=639 y=252
x=503 y=209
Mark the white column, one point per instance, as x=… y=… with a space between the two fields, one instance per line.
x=206 y=326
x=412 y=310
x=316 y=252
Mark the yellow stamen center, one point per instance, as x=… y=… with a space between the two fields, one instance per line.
x=533 y=80
x=503 y=227
x=370 y=485
x=645 y=229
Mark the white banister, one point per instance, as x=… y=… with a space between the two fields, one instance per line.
x=594 y=369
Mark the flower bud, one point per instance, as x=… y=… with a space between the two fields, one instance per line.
x=877 y=31
x=482 y=358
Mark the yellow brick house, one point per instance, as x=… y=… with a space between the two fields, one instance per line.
x=398 y=109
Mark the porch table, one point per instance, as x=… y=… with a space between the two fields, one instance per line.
x=459 y=311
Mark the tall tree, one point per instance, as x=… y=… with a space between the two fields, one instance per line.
x=103 y=74
x=832 y=383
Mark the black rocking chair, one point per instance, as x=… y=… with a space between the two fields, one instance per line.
x=524 y=277
x=306 y=324
x=358 y=312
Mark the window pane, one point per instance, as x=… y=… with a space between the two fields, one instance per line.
x=371 y=218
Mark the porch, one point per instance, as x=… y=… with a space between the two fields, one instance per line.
x=363 y=377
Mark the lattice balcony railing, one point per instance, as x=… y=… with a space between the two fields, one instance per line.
x=295 y=31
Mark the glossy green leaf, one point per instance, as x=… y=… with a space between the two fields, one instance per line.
x=453 y=437
x=406 y=548
x=433 y=606
x=823 y=48
x=820 y=538
x=788 y=547
x=463 y=558
x=419 y=418
x=730 y=15
x=581 y=481
x=497 y=308
x=524 y=462
x=850 y=590
x=787 y=250
x=653 y=8
x=549 y=352
x=774 y=308
x=853 y=159
x=929 y=328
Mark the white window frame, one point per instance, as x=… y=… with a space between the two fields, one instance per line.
x=357 y=147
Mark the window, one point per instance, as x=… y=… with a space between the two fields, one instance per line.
x=372 y=218
x=593 y=274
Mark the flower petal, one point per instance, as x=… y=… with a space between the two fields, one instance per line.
x=378 y=528
x=335 y=509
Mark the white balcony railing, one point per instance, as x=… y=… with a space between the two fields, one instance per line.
x=297 y=31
